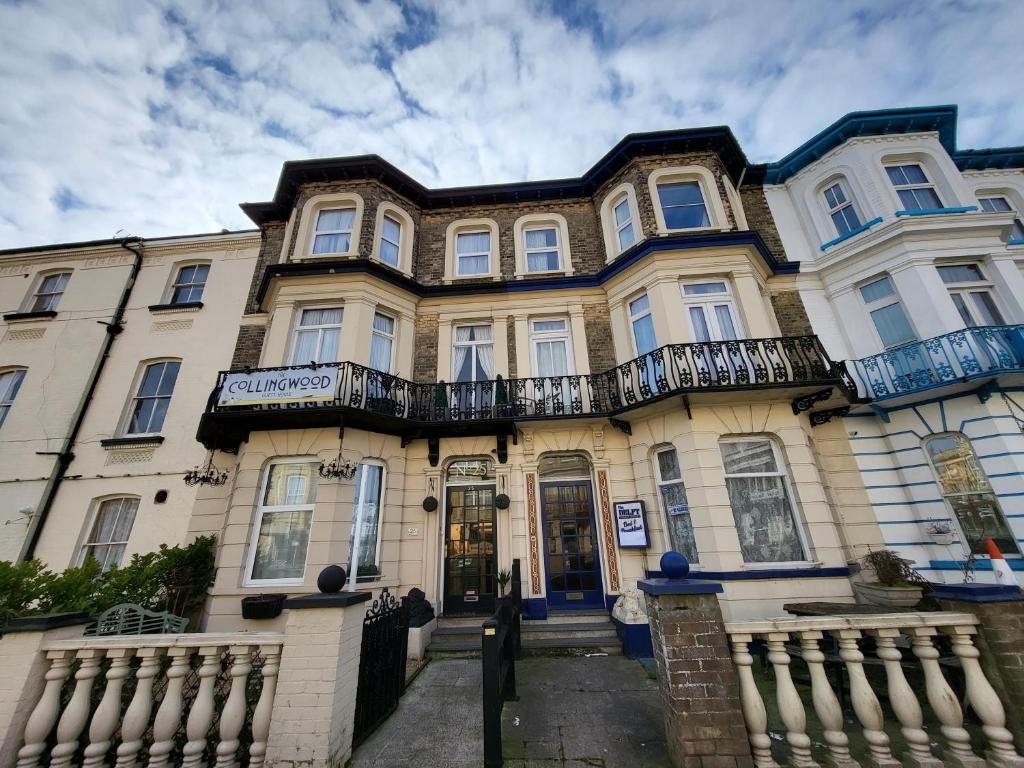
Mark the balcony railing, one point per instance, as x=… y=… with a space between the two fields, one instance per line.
x=960 y=356
x=670 y=370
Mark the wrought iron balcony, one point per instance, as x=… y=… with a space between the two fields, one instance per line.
x=368 y=398
x=957 y=357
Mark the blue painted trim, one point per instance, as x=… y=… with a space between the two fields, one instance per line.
x=756 y=575
x=898 y=485
x=1008 y=495
x=895 y=469
x=915 y=521
x=609 y=602
x=889 y=434
x=1015 y=242
x=995 y=434
x=1001 y=455
x=1006 y=474
x=917 y=543
x=907 y=503
x=1016 y=564
x=535 y=608
x=852 y=233
x=930 y=211
x=977 y=593
x=887 y=453
x=636 y=639
x=678 y=587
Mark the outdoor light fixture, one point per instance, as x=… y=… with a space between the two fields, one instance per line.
x=208 y=475
x=346 y=470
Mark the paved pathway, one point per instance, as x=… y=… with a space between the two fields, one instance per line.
x=601 y=712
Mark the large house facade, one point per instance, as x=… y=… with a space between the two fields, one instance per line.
x=910 y=256
x=578 y=374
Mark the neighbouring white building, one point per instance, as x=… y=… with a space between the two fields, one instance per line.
x=108 y=350
x=910 y=256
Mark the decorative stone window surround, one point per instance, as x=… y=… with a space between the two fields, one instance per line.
x=933 y=169
x=460 y=226
x=406 y=243
x=307 y=224
x=539 y=221
x=613 y=198
x=708 y=188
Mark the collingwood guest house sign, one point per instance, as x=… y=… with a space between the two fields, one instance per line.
x=291 y=385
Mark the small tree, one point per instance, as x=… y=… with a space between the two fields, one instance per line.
x=891 y=570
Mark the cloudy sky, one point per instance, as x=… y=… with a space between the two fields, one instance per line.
x=155 y=117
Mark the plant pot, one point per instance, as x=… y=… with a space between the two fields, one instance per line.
x=263 y=606
x=890 y=597
x=945 y=539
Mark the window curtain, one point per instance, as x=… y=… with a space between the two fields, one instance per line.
x=462 y=335
x=365 y=521
x=485 y=360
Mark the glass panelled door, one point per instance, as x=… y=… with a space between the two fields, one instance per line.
x=472 y=368
x=570 y=545
x=471 y=555
x=712 y=315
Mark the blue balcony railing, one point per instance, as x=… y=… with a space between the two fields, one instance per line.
x=960 y=356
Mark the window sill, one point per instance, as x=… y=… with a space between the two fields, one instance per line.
x=691 y=230
x=852 y=233
x=324 y=256
x=931 y=211
x=792 y=565
x=482 y=278
x=545 y=273
x=13 y=317
x=1015 y=242
x=185 y=306
x=139 y=441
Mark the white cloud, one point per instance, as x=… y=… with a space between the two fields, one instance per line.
x=160 y=116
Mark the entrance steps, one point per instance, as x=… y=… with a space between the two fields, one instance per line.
x=563 y=633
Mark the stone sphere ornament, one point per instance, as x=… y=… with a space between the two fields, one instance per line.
x=502 y=501
x=430 y=504
x=331 y=579
x=674 y=565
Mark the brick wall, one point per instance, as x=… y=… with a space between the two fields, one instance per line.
x=248 y=346
x=600 y=347
x=759 y=219
x=791 y=314
x=513 y=357
x=425 y=349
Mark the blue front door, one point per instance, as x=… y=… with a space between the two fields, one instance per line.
x=570 y=545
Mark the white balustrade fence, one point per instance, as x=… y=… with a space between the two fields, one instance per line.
x=175 y=682
x=786 y=639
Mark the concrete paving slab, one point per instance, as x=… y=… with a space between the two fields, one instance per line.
x=576 y=712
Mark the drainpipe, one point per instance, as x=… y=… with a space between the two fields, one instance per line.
x=66 y=455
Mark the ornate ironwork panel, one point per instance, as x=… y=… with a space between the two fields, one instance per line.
x=381 y=663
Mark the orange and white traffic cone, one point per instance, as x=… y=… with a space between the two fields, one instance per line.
x=1004 y=574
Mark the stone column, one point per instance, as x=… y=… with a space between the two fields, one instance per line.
x=703 y=717
x=23 y=667
x=314 y=709
x=1000 y=640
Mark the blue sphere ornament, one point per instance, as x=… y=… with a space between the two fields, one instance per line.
x=331 y=579
x=674 y=565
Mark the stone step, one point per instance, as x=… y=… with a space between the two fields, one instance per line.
x=530 y=629
x=572 y=617
x=538 y=646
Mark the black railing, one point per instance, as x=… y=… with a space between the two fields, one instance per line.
x=672 y=369
x=500 y=647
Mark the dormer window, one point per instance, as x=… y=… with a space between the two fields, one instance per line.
x=333 y=231
x=999 y=204
x=915 y=191
x=682 y=205
x=624 y=229
x=840 y=208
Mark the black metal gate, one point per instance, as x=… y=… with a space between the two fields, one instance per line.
x=381 y=663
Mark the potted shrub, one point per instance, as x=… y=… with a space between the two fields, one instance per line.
x=262 y=606
x=897 y=585
x=941 y=533
x=367 y=572
x=504 y=577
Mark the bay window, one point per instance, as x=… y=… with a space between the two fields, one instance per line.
x=971 y=294
x=887 y=313
x=280 y=536
x=999 y=204
x=762 y=502
x=840 y=208
x=318 y=336
x=333 y=232
x=915 y=191
x=682 y=205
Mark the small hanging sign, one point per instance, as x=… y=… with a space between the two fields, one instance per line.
x=631 y=524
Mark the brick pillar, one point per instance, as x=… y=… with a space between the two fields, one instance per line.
x=23 y=668
x=314 y=709
x=700 y=694
x=1000 y=640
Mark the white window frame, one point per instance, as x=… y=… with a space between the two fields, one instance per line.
x=708 y=301
x=799 y=522
x=849 y=202
x=473 y=254
x=317 y=232
x=537 y=337
x=133 y=396
x=926 y=184
x=6 y=398
x=37 y=292
x=470 y=227
x=176 y=278
x=1017 y=229
x=473 y=344
x=611 y=229
x=357 y=520
x=708 y=185
x=257 y=524
x=310 y=216
x=87 y=545
x=659 y=483
x=406 y=235
x=533 y=221
x=964 y=289
x=384 y=239
x=882 y=303
x=382 y=334
x=528 y=251
x=629 y=222
x=299 y=327
x=633 y=317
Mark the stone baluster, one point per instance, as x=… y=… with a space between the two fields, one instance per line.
x=136 y=717
x=865 y=702
x=984 y=700
x=108 y=713
x=826 y=705
x=264 y=707
x=76 y=714
x=903 y=700
x=44 y=715
x=791 y=708
x=200 y=717
x=943 y=700
x=750 y=699
x=232 y=716
x=168 y=716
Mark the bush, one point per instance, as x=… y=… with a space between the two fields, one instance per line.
x=891 y=570
x=172 y=579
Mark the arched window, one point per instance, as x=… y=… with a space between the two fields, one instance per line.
x=394 y=237
x=967 y=491
x=329 y=226
x=471 y=250
x=542 y=244
x=48 y=292
x=686 y=198
x=109 y=531
x=188 y=283
x=10 y=383
x=284 y=517
x=151 y=397
x=992 y=202
x=840 y=205
x=367 y=519
x=620 y=220
x=668 y=477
